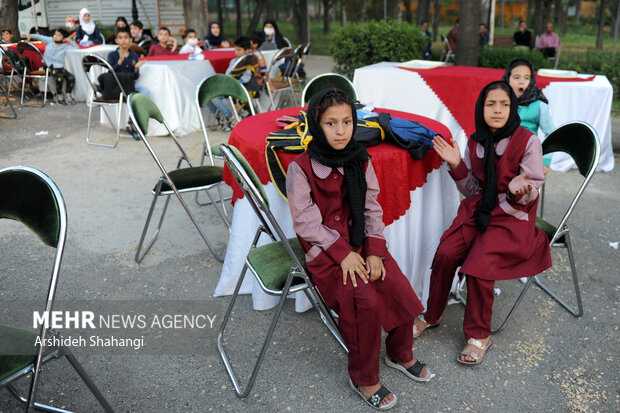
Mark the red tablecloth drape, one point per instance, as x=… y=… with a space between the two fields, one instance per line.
x=398 y=173
x=458 y=88
x=220 y=59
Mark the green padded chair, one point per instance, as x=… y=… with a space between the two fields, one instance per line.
x=176 y=182
x=32 y=198
x=326 y=81
x=209 y=88
x=279 y=267
x=580 y=141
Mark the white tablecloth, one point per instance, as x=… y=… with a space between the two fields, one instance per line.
x=386 y=86
x=412 y=239
x=172 y=86
x=73 y=63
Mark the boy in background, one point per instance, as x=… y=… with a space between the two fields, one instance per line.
x=54 y=58
x=161 y=49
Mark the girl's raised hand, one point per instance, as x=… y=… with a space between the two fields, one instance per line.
x=519 y=185
x=449 y=152
x=351 y=265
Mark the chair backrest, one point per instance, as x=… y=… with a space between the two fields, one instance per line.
x=580 y=141
x=284 y=53
x=89 y=60
x=326 y=81
x=23 y=45
x=307 y=47
x=102 y=38
x=255 y=194
x=32 y=198
x=146 y=44
x=288 y=42
x=221 y=85
x=141 y=109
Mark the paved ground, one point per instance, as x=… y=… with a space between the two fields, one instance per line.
x=545 y=360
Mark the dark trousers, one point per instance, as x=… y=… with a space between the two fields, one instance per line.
x=548 y=51
x=450 y=254
x=364 y=363
x=61 y=76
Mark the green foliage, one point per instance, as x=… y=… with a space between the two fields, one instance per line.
x=596 y=62
x=499 y=58
x=362 y=44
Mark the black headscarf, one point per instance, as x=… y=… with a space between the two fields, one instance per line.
x=215 y=41
x=351 y=158
x=280 y=42
x=532 y=93
x=487 y=139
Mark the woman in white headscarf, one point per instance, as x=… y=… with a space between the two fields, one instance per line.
x=87 y=34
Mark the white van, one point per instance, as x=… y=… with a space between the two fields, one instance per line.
x=31 y=14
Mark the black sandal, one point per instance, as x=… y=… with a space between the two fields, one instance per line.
x=413 y=372
x=376 y=399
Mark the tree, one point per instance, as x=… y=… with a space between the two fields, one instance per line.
x=601 y=25
x=258 y=11
x=300 y=20
x=220 y=12
x=467 y=45
x=408 y=16
x=9 y=15
x=195 y=13
x=326 y=6
x=436 y=10
x=239 y=21
x=577 y=11
x=538 y=17
x=422 y=14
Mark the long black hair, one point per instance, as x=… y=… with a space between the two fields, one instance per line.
x=532 y=93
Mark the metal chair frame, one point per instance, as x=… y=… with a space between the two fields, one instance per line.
x=5 y=87
x=269 y=226
x=35 y=368
x=88 y=61
x=335 y=75
x=206 y=148
x=561 y=231
x=158 y=192
x=21 y=46
x=284 y=53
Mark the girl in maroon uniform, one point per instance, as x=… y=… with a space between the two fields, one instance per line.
x=332 y=191
x=494 y=235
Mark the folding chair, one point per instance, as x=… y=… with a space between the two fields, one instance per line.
x=326 y=81
x=180 y=180
x=209 y=88
x=5 y=87
x=32 y=198
x=22 y=46
x=277 y=86
x=556 y=59
x=279 y=267
x=447 y=52
x=580 y=141
x=90 y=61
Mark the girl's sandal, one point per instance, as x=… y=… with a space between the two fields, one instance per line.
x=375 y=400
x=478 y=357
x=427 y=325
x=414 y=372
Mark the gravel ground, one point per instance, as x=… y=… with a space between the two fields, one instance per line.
x=545 y=360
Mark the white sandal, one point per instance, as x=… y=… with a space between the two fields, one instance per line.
x=478 y=357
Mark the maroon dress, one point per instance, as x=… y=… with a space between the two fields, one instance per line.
x=363 y=310
x=512 y=245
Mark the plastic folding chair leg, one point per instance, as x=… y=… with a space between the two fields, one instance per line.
x=241 y=393
x=575 y=312
x=156 y=196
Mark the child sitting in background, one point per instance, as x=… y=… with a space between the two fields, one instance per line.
x=191 y=42
x=256 y=39
x=215 y=39
x=124 y=61
x=332 y=192
x=137 y=32
x=54 y=58
x=87 y=33
x=161 y=48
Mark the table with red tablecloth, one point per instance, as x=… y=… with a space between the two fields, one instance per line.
x=219 y=58
x=448 y=94
x=418 y=197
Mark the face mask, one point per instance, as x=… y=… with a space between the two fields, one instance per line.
x=70 y=26
x=268 y=31
x=192 y=41
x=58 y=41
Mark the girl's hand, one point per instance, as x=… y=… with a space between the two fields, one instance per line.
x=519 y=185
x=225 y=44
x=448 y=152
x=351 y=265
x=374 y=266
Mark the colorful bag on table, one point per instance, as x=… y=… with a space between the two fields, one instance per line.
x=370 y=131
